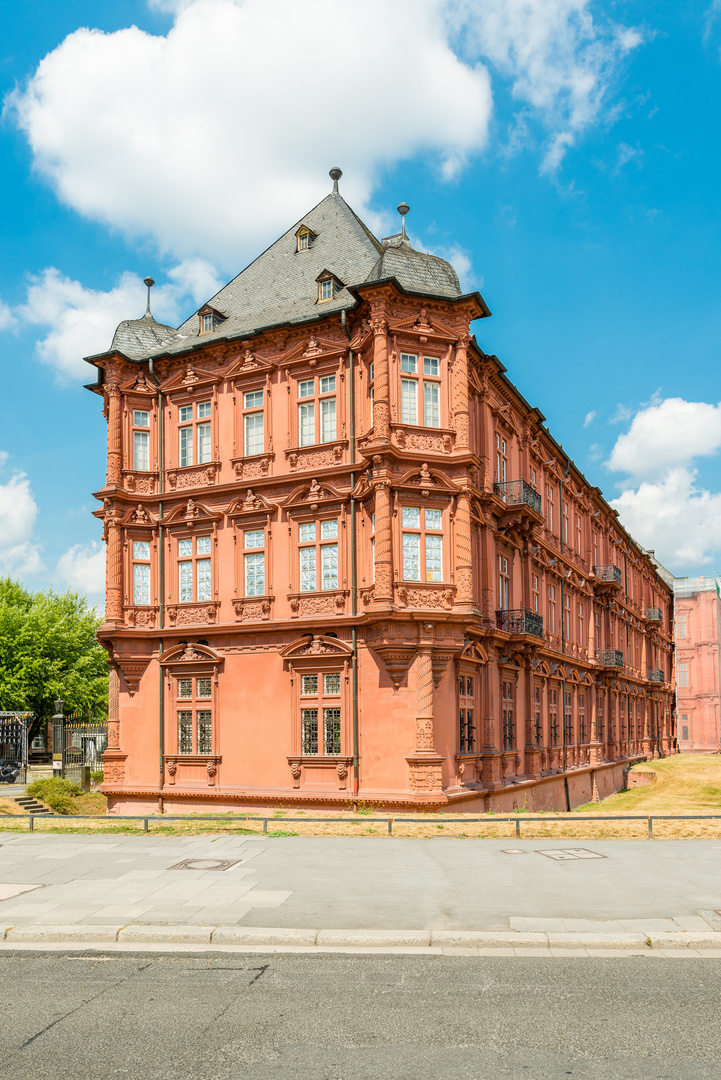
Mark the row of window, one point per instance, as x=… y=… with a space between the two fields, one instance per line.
x=422 y=544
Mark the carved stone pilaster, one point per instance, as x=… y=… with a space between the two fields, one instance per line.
x=460 y=394
x=383 y=588
x=115 y=446
x=381 y=398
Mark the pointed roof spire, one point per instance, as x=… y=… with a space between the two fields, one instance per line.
x=403 y=209
x=335 y=175
x=149 y=282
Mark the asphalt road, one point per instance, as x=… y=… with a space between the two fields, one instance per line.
x=343 y=1017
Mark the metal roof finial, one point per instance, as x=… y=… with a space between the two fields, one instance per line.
x=149 y=282
x=335 y=175
x=403 y=209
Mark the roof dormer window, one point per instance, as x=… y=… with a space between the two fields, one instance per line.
x=328 y=286
x=210 y=319
x=304 y=238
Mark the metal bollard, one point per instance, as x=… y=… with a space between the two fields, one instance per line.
x=265 y=824
x=31 y=823
x=650 y=828
x=145 y=824
x=390 y=826
x=518 y=828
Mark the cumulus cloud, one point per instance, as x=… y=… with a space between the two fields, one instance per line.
x=7 y=319
x=666 y=435
x=206 y=138
x=662 y=503
x=82 y=567
x=81 y=321
x=589 y=418
x=19 y=554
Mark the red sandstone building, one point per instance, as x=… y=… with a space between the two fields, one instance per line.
x=346 y=559
x=698 y=664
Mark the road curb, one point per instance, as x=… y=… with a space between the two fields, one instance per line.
x=318 y=940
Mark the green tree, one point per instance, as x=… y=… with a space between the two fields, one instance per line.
x=48 y=649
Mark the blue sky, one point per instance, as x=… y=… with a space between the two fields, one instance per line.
x=564 y=154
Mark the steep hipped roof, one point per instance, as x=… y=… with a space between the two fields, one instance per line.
x=280 y=287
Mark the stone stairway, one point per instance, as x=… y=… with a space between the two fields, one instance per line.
x=32 y=806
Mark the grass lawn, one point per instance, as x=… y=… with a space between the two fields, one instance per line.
x=685 y=784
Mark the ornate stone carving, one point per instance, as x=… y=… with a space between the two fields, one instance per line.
x=172 y=768
x=315 y=605
x=141 y=616
x=342 y=770
x=142 y=483
x=296 y=770
x=253 y=468
x=114 y=772
x=113 y=708
x=192 y=614
x=190 y=478
x=211 y=768
x=315 y=459
x=257 y=608
x=438 y=599
x=426 y=777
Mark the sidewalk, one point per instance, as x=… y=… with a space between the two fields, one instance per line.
x=368 y=893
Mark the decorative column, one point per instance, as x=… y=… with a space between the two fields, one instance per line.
x=115 y=442
x=426 y=776
x=381 y=397
x=595 y=747
x=464 y=554
x=460 y=394
x=383 y=588
x=113 y=759
x=114 y=572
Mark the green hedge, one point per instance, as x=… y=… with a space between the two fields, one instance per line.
x=55 y=793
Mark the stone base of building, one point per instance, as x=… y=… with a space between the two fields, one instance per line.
x=556 y=792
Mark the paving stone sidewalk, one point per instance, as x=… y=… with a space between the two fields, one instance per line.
x=360 y=892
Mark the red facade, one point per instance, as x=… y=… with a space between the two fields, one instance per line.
x=347 y=561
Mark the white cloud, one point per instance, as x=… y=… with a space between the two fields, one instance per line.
x=207 y=138
x=82 y=567
x=667 y=435
x=662 y=503
x=7 y=319
x=18 y=512
x=589 y=418
x=81 y=321
x=675 y=517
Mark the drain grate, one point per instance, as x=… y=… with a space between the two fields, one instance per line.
x=205 y=864
x=562 y=854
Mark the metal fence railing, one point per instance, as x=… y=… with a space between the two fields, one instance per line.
x=487 y=819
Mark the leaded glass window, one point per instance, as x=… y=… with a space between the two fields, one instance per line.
x=204 y=448
x=185 y=731
x=331 y=683
x=411 y=557
x=309 y=684
x=331 y=731
x=141 y=451
x=434 y=558
x=309 y=723
x=204 y=688
x=307 y=569
x=329 y=566
x=205 y=731
x=185 y=582
x=205 y=590
x=141 y=583
x=255 y=574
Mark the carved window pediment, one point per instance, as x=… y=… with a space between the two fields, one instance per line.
x=315 y=648
x=191 y=654
x=189 y=379
x=313 y=496
x=191 y=513
x=249 y=505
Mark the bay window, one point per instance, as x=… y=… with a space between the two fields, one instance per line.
x=141 y=572
x=254 y=562
x=194 y=570
x=194 y=434
x=318 y=550
x=316 y=410
x=420 y=381
x=141 y=440
x=422 y=544
x=253 y=423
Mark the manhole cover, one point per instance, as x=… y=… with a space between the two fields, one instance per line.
x=512 y=851
x=205 y=864
x=560 y=854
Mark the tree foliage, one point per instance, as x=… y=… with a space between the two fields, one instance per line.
x=48 y=649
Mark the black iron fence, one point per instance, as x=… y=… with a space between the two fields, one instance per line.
x=78 y=744
x=654 y=614
x=611 y=658
x=518 y=492
x=14 y=727
x=655 y=675
x=520 y=621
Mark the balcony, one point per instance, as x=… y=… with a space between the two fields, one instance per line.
x=654 y=614
x=608 y=574
x=610 y=658
x=518 y=493
x=654 y=675
x=520 y=621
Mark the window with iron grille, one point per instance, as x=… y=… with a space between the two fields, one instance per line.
x=537 y=710
x=195 y=718
x=600 y=718
x=509 y=730
x=582 y=718
x=320 y=698
x=553 y=714
x=466 y=714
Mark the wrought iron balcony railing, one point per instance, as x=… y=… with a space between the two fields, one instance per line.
x=655 y=675
x=609 y=573
x=520 y=621
x=518 y=492
x=612 y=658
x=654 y=614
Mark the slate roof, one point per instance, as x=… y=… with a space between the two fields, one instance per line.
x=138 y=338
x=280 y=287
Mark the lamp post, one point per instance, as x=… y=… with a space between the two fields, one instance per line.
x=58 y=738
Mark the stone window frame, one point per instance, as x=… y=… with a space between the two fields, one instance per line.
x=136 y=403
x=190 y=660
x=319 y=663
x=420 y=378
x=307 y=517
x=185 y=531
x=178 y=399
x=412 y=500
x=133 y=534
